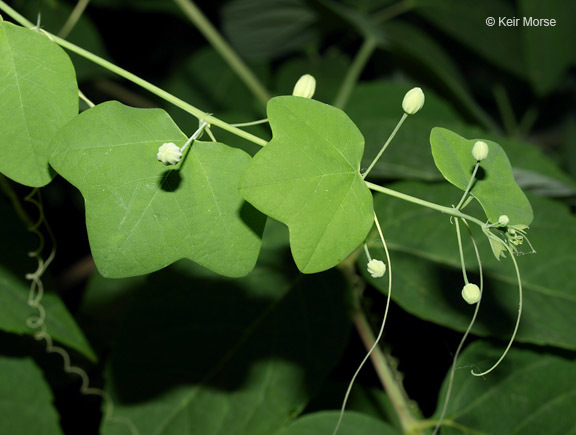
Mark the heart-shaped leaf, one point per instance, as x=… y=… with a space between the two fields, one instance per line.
x=38 y=95
x=308 y=178
x=142 y=216
x=494 y=187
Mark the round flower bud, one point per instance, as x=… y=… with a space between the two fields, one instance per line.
x=471 y=293
x=480 y=151
x=305 y=86
x=503 y=220
x=376 y=268
x=413 y=101
x=169 y=154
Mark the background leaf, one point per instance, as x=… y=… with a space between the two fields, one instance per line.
x=466 y=23
x=14 y=311
x=269 y=29
x=25 y=399
x=548 y=56
x=323 y=423
x=308 y=178
x=428 y=280
x=494 y=186
x=142 y=216
x=228 y=356
x=39 y=95
x=530 y=392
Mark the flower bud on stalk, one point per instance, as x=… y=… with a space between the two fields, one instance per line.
x=169 y=154
x=376 y=268
x=480 y=151
x=305 y=86
x=471 y=293
x=413 y=101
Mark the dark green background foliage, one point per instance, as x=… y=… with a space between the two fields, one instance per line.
x=183 y=350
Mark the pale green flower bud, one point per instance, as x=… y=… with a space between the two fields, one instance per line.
x=305 y=86
x=413 y=101
x=471 y=293
x=480 y=151
x=503 y=220
x=169 y=154
x=376 y=268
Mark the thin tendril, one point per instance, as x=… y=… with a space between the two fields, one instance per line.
x=517 y=318
x=470 y=325
x=348 y=391
x=38 y=321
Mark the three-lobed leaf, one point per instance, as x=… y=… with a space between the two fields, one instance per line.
x=494 y=186
x=38 y=95
x=142 y=216
x=428 y=279
x=308 y=177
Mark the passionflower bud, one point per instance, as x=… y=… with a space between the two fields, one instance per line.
x=376 y=268
x=413 y=101
x=471 y=293
x=169 y=154
x=305 y=86
x=503 y=220
x=480 y=151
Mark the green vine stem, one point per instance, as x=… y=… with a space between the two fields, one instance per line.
x=380 y=361
x=391 y=384
x=223 y=48
x=362 y=57
x=136 y=80
x=447 y=210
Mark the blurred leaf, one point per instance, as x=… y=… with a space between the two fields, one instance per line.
x=308 y=178
x=370 y=401
x=25 y=399
x=38 y=94
x=141 y=5
x=328 y=71
x=543 y=185
x=466 y=23
x=269 y=29
x=206 y=81
x=54 y=15
x=428 y=281
x=14 y=311
x=411 y=41
x=529 y=393
x=323 y=423
x=142 y=216
x=548 y=55
x=217 y=355
x=494 y=187
x=363 y=23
